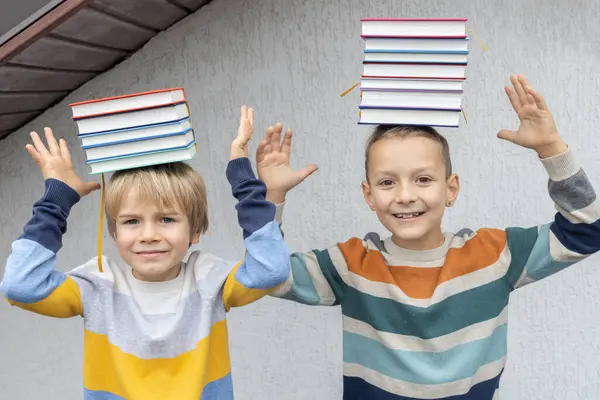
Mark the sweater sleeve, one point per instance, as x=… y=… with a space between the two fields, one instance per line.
x=317 y=276
x=30 y=279
x=572 y=236
x=266 y=264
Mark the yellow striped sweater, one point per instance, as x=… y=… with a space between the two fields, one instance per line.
x=150 y=340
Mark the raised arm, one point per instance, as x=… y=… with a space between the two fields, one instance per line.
x=266 y=265
x=30 y=279
x=574 y=234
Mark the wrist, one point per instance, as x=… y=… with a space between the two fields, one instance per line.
x=275 y=196
x=552 y=149
x=60 y=193
x=239 y=170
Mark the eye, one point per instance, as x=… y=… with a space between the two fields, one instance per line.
x=424 y=179
x=167 y=220
x=130 y=221
x=386 y=182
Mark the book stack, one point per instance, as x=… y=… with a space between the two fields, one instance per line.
x=135 y=130
x=413 y=71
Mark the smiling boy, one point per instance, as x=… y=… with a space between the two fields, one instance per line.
x=424 y=311
x=154 y=326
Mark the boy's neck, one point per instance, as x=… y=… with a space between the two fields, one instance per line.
x=430 y=241
x=155 y=286
x=167 y=276
x=414 y=253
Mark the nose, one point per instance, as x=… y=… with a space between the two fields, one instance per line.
x=148 y=233
x=404 y=194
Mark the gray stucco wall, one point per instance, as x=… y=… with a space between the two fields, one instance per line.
x=291 y=60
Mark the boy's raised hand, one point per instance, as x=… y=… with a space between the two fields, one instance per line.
x=537 y=130
x=55 y=162
x=273 y=164
x=239 y=146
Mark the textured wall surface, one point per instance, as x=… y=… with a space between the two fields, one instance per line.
x=291 y=59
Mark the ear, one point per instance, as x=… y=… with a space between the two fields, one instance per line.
x=452 y=189
x=195 y=239
x=368 y=195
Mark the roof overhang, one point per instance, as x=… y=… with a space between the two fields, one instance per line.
x=67 y=43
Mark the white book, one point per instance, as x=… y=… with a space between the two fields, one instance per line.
x=414 y=99
x=140 y=146
x=128 y=102
x=159 y=157
x=414 y=70
x=411 y=27
x=436 y=58
x=376 y=116
x=133 y=134
x=132 y=119
x=416 y=44
x=410 y=84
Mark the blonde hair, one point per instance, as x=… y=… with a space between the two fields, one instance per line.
x=174 y=185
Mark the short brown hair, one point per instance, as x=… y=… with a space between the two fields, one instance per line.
x=172 y=185
x=388 y=131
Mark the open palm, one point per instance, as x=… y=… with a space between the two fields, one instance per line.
x=537 y=129
x=54 y=161
x=273 y=164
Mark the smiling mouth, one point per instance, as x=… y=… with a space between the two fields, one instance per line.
x=150 y=254
x=408 y=216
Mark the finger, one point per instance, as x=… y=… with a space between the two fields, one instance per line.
x=538 y=98
x=530 y=99
x=513 y=97
x=507 y=135
x=286 y=146
x=518 y=88
x=33 y=153
x=64 y=152
x=268 y=147
x=90 y=187
x=260 y=151
x=305 y=172
x=243 y=114
x=523 y=81
x=243 y=120
x=276 y=137
x=93 y=185
x=251 y=117
x=52 y=143
x=39 y=145
x=245 y=129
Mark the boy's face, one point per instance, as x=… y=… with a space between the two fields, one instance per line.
x=408 y=189
x=151 y=240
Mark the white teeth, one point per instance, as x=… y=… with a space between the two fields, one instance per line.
x=406 y=215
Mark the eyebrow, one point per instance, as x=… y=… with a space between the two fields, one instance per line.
x=128 y=216
x=416 y=171
x=162 y=214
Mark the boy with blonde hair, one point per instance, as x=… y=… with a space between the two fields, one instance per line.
x=155 y=327
x=425 y=311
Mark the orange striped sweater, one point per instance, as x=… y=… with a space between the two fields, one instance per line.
x=433 y=324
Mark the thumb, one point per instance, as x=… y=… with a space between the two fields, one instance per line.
x=91 y=186
x=510 y=136
x=306 y=172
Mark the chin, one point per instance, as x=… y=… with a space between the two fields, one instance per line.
x=149 y=269
x=408 y=233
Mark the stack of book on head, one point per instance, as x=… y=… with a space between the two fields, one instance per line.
x=413 y=71
x=135 y=130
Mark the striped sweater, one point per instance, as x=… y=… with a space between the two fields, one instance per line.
x=150 y=340
x=433 y=324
